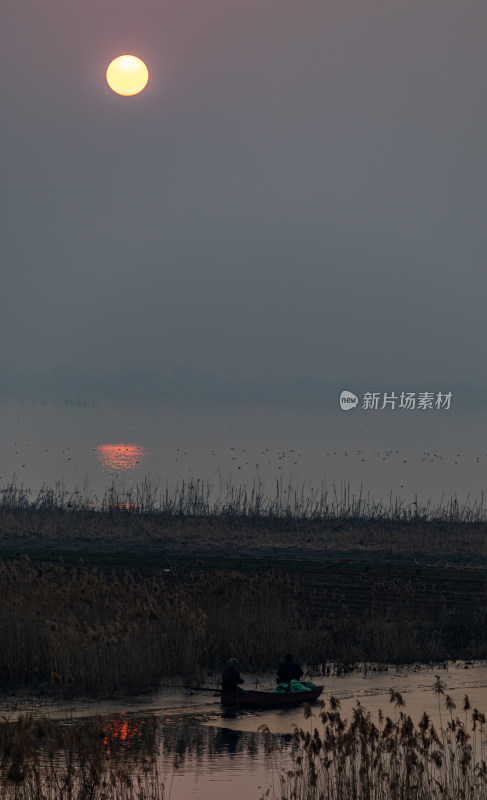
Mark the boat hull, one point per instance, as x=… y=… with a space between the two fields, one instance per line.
x=269 y=699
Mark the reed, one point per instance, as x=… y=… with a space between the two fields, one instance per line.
x=78 y=630
x=383 y=758
x=192 y=511
x=76 y=762
x=83 y=631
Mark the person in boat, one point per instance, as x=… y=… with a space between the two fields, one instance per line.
x=288 y=671
x=231 y=677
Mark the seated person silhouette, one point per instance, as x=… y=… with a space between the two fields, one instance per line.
x=288 y=671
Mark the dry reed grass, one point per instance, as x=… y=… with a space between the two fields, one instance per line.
x=75 y=762
x=81 y=631
x=192 y=514
x=74 y=631
x=85 y=632
x=363 y=759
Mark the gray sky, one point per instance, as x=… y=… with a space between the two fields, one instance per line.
x=298 y=195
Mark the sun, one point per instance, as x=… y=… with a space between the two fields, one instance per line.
x=127 y=75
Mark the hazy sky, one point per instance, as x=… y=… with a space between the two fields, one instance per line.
x=298 y=195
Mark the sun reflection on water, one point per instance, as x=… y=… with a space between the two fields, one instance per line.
x=120 y=457
x=123 y=732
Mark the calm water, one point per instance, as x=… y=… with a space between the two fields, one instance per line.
x=222 y=755
x=434 y=455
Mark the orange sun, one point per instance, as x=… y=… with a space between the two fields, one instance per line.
x=127 y=75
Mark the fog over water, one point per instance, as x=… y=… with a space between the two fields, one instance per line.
x=298 y=195
x=295 y=205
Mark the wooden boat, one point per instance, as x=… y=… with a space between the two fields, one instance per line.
x=269 y=699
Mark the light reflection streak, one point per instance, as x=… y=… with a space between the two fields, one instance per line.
x=123 y=732
x=120 y=458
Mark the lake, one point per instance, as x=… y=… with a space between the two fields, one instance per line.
x=92 y=445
